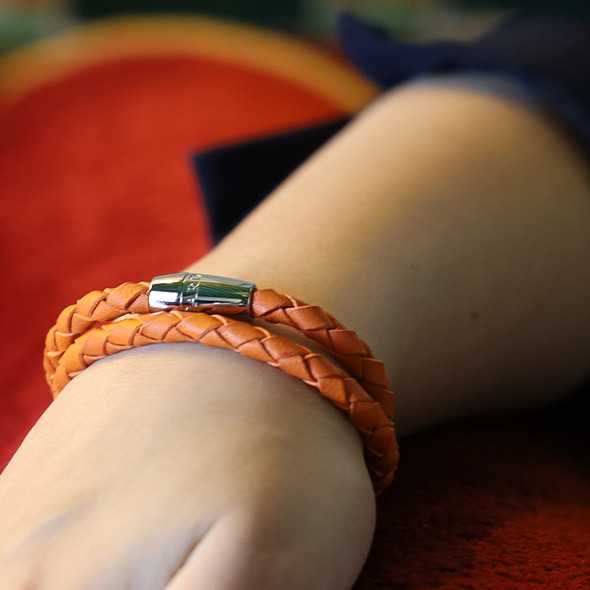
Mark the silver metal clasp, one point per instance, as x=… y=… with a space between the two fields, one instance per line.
x=196 y=292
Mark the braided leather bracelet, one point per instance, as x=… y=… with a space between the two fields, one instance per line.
x=181 y=308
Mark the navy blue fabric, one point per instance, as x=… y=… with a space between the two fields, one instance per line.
x=549 y=57
x=236 y=178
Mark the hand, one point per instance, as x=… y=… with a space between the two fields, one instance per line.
x=180 y=467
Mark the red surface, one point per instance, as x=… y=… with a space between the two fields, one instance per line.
x=490 y=505
x=96 y=188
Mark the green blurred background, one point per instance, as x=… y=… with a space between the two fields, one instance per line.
x=25 y=20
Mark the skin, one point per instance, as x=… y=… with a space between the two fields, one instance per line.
x=449 y=229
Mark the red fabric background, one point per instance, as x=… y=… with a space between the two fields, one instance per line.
x=96 y=188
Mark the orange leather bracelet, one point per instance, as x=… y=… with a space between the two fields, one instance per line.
x=181 y=308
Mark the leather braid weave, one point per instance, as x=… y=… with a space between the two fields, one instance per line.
x=268 y=305
x=74 y=343
x=319 y=325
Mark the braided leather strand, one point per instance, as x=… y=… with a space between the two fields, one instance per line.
x=94 y=307
x=268 y=305
x=320 y=326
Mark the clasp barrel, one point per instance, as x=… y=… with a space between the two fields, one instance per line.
x=199 y=292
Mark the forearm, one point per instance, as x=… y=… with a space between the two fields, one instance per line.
x=451 y=231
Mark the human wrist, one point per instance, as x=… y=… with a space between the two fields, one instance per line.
x=188 y=374
x=218 y=395
x=173 y=310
